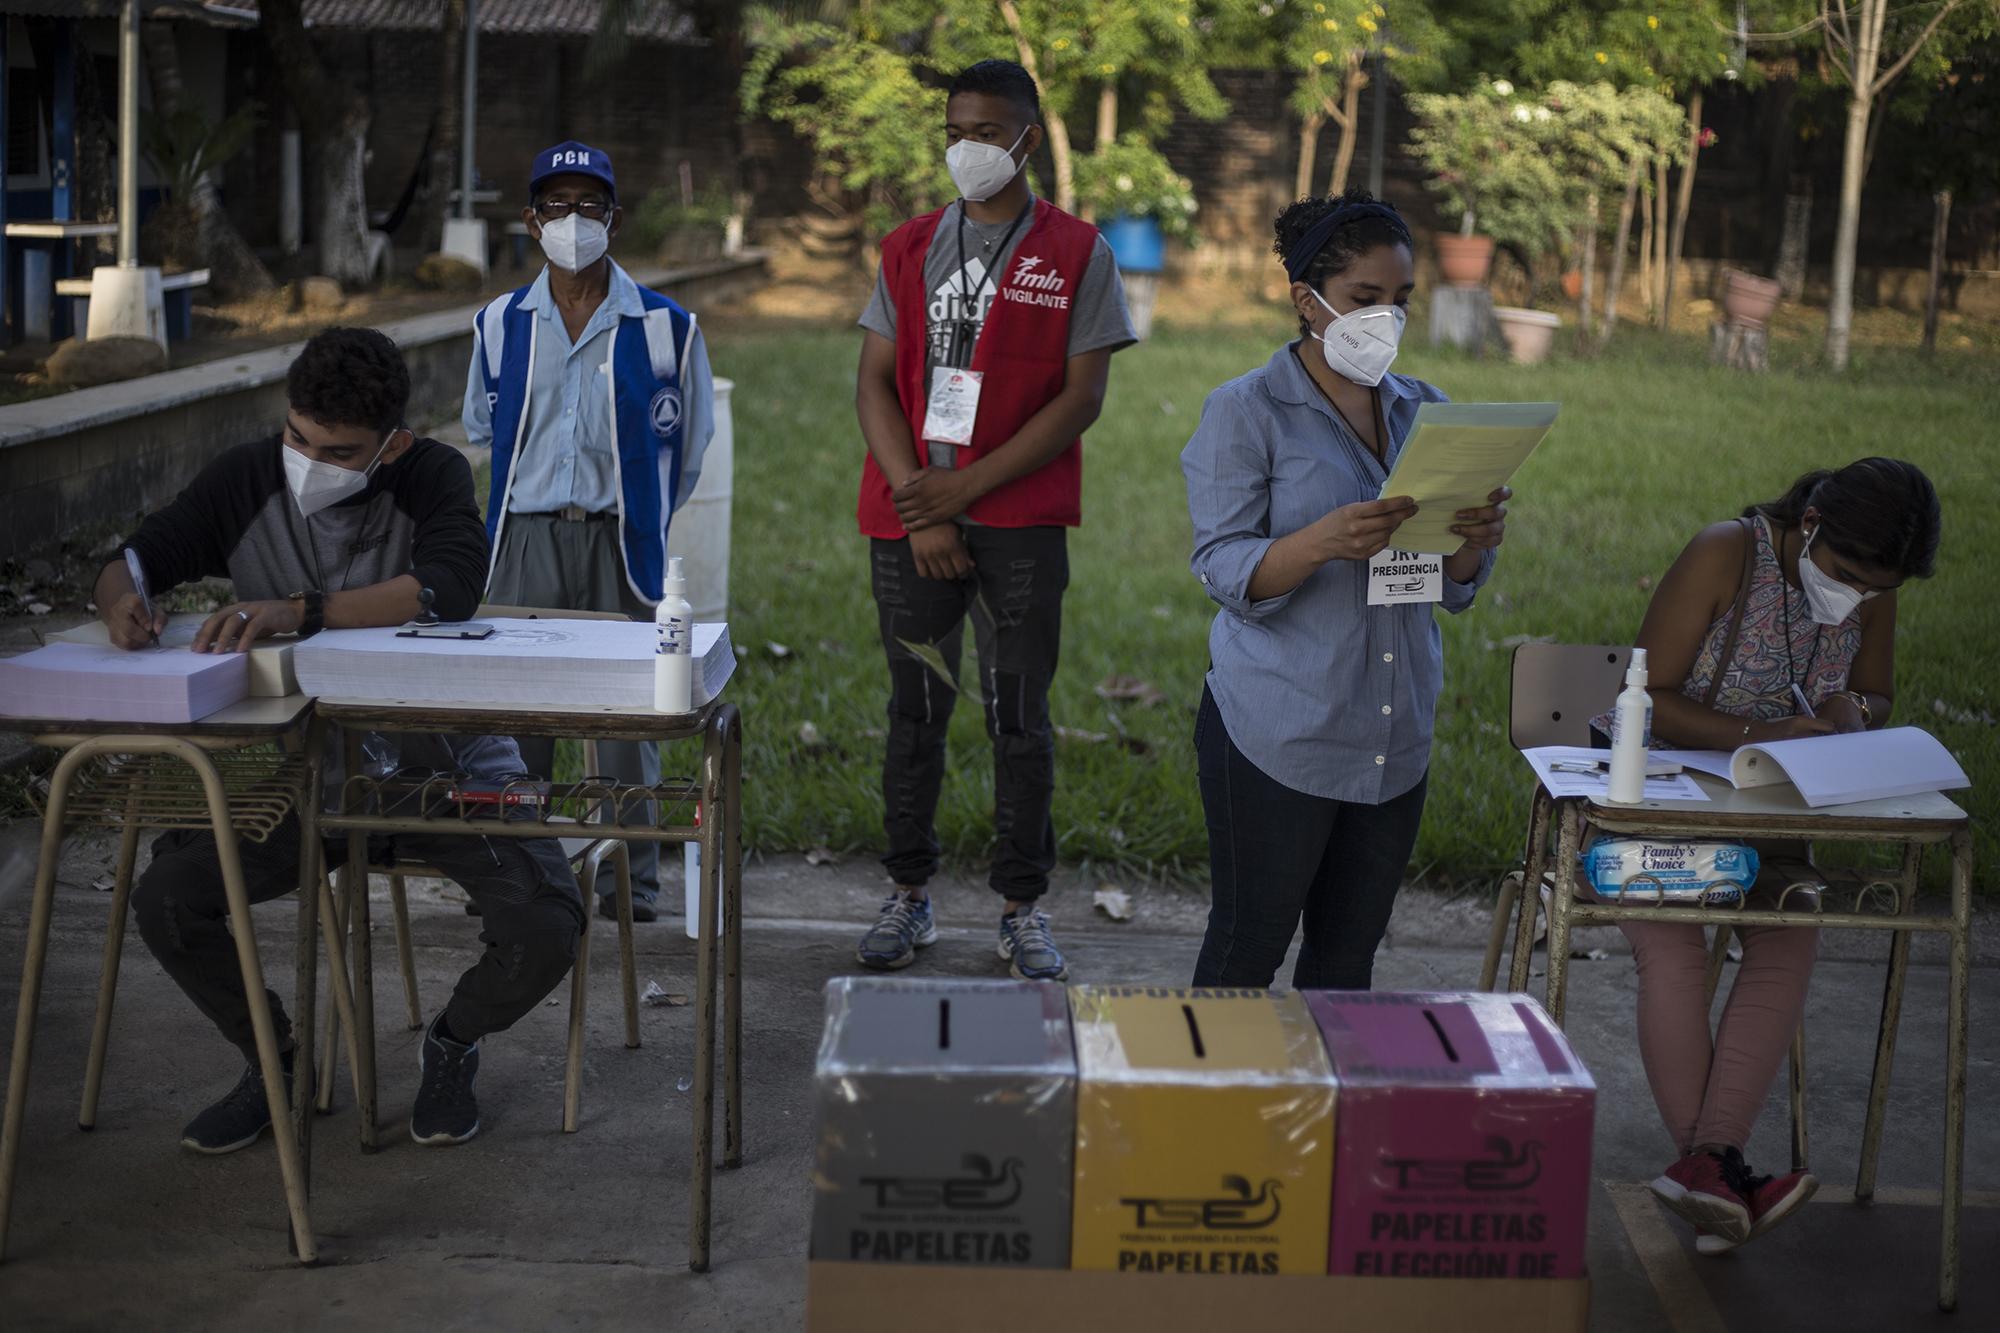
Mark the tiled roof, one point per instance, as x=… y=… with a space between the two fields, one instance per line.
x=652 y=20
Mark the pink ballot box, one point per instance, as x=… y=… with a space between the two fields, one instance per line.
x=1462 y=1145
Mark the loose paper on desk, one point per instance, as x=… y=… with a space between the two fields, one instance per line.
x=1456 y=456
x=1597 y=784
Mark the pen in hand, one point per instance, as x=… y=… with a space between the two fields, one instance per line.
x=1799 y=698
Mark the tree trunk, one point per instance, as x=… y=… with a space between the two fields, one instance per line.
x=1348 y=119
x=336 y=118
x=1059 y=147
x=1940 y=233
x=1662 y=314
x=1615 y=283
x=441 y=176
x=1853 y=156
x=1646 y=254
x=1585 y=292
x=1107 y=113
x=1309 y=128
x=1685 y=197
x=234 y=271
x=1795 y=238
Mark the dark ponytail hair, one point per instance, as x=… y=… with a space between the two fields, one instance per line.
x=1877 y=511
x=1349 y=241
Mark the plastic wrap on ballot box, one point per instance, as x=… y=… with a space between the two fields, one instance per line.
x=1464 y=1141
x=947 y=1114
x=1707 y=873
x=1204 y=1132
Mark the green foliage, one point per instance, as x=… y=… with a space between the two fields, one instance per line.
x=1323 y=41
x=1520 y=167
x=187 y=145
x=661 y=213
x=874 y=126
x=1132 y=178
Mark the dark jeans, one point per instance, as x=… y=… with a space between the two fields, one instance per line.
x=1276 y=855
x=1014 y=598
x=532 y=916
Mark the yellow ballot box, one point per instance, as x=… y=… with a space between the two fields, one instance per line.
x=1204 y=1132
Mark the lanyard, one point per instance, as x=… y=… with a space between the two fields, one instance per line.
x=965 y=324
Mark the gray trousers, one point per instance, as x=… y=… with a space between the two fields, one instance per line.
x=546 y=561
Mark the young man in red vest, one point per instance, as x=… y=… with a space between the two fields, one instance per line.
x=986 y=351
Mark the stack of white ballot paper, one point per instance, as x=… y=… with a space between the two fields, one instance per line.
x=271 y=675
x=89 y=682
x=523 y=664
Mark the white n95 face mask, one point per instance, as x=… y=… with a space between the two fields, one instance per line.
x=575 y=242
x=1361 y=344
x=982 y=170
x=316 y=485
x=1830 y=600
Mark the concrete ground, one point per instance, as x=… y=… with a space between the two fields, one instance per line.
x=526 y=1227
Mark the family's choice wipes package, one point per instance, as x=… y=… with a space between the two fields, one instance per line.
x=947 y=1114
x=1204 y=1132
x=1463 y=1148
x=1697 y=872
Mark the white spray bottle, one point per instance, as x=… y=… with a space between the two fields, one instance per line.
x=1631 y=734
x=673 y=649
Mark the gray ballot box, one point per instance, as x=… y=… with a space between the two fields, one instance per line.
x=947 y=1123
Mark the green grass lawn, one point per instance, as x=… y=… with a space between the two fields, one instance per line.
x=1652 y=444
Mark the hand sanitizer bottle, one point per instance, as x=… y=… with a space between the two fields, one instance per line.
x=1631 y=734
x=673 y=649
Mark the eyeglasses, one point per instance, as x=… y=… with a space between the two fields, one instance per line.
x=549 y=210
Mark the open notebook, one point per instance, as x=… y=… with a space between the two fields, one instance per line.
x=1839 y=769
x=88 y=682
x=524 y=664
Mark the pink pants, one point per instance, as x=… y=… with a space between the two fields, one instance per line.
x=1709 y=1091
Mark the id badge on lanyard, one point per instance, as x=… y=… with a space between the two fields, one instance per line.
x=1396 y=578
x=954 y=405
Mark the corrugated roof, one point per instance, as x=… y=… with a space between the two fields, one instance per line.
x=224 y=12
x=651 y=20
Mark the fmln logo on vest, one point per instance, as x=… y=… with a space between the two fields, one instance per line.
x=1031 y=284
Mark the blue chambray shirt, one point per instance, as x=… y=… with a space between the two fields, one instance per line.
x=566 y=442
x=1321 y=691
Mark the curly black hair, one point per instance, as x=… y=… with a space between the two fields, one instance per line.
x=1001 y=78
x=1348 y=243
x=1878 y=511
x=350 y=377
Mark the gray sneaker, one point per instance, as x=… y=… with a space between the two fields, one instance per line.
x=1026 y=943
x=238 y=1119
x=904 y=926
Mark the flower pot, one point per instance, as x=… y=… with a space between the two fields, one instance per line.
x=1464 y=260
x=1748 y=299
x=1529 y=333
x=1572 y=282
x=1138 y=244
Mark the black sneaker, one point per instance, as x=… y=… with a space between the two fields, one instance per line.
x=238 y=1119
x=904 y=926
x=643 y=909
x=445 y=1112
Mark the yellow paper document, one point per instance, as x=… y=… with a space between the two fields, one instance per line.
x=1456 y=455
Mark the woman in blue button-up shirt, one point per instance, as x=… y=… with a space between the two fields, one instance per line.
x=1315 y=728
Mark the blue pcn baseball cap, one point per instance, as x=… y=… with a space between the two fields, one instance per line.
x=570 y=158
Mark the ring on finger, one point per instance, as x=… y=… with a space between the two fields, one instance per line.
x=243 y=616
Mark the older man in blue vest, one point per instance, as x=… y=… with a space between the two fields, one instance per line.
x=595 y=395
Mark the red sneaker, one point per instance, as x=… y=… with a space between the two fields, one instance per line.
x=1695 y=1188
x=1708 y=1244
x=1772 y=1201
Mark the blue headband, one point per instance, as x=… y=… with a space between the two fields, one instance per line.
x=1322 y=231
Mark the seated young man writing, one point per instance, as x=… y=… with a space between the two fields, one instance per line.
x=340 y=523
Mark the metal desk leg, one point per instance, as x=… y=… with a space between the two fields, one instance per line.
x=36 y=955
x=1885 y=1035
x=1559 y=904
x=579 y=996
x=305 y=961
x=1533 y=867
x=399 y=907
x=732 y=945
x=1957 y=1000
x=245 y=930
x=360 y=950
x=628 y=965
x=107 y=981
x=704 y=1009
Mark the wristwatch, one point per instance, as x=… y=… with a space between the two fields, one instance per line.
x=314 y=616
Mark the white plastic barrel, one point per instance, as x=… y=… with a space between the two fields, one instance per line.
x=126 y=303
x=700 y=530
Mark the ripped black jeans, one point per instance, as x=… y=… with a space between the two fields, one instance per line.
x=1014 y=598
x=531 y=918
